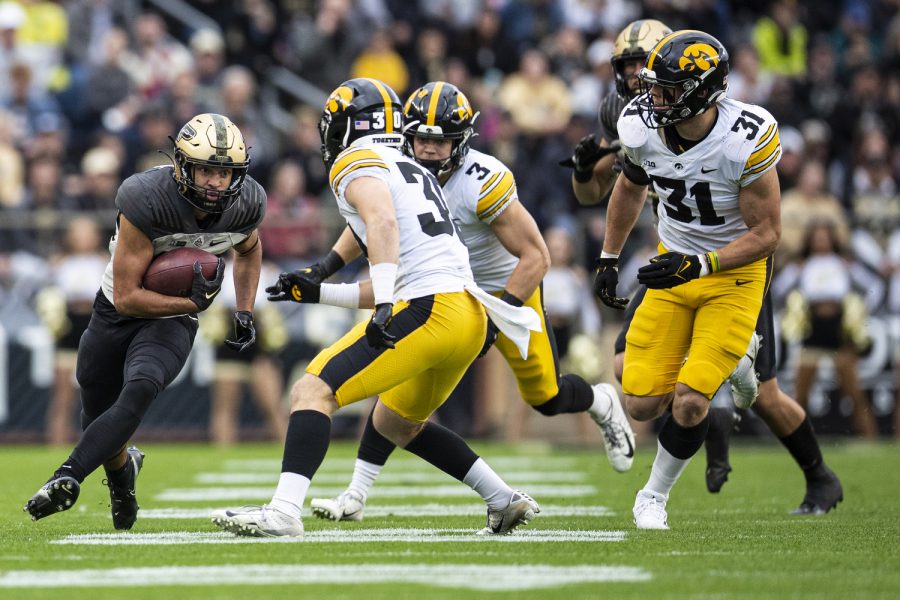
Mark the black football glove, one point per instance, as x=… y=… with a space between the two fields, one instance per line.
x=669 y=269
x=376 y=330
x=244 y=331
x=322 y=270
x=204 y=290
x=587 y=153
x=489 y=338
x=605 y=282
x=297 y=286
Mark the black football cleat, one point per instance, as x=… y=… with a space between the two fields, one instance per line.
x=722 y=422
x=822 y=494
x=57 y=495
x=122 y=499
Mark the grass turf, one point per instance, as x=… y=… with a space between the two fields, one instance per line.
x=738 y=544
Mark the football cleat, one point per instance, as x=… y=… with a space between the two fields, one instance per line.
x=348 y=506
x=618 y=438
x=521 y=509
x=744 y=380
x=650 y=510
x=258 y=521
x=122 y=500
x=722 y=421
x=57 y=495
x=822 y=494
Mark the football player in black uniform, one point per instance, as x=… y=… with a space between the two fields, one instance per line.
x=138 y=340
x=593 y=179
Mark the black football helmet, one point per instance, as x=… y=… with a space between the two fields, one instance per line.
x=210 y=140
x=635 y=43
x=439 y=110
x=356 y=109
x=691 y=69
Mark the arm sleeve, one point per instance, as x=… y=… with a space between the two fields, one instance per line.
x=634 y=173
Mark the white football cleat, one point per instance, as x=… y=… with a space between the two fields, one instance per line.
x=650 y=510
x=348 y=506
x=521 y=509
x=258 y=521
x=618 y=438
x=744 y=380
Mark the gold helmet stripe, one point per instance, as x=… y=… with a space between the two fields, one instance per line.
x=433 y=102
x=388 y=105
x=221 y=134
x=659 y=46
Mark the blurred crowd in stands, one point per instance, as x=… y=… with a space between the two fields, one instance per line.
x=92 y=89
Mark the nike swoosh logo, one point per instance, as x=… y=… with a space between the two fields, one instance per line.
x=211 y=296
x=742 y=281
x=705 y=170
x=630 y=453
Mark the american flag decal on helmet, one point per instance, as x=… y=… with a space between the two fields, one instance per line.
x=361 y=125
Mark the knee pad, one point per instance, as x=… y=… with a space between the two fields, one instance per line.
x=137 y=395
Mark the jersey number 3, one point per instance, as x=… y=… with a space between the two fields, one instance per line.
x=430 y=225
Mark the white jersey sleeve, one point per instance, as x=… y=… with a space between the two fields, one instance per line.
x=479 y=191
x=699 y=189
x=433 y=259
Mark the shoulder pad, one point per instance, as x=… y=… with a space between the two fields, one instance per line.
x=632 y=131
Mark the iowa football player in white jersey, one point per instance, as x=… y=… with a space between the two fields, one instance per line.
x=427 y=327
x=508 y=259
x=781 y=413
x=711 y=160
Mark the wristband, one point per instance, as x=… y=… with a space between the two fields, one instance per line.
x=511 y=299
x=583 y=176
x=332 y=263
x=605 y=254
x=339 y=294
x=384 y=276
x=713 y=259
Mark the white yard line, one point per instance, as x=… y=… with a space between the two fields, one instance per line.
x=411 y=463
x=400 y=510
x=213 y=494
x=468 y=576
x=519 y=478
x=341 y=535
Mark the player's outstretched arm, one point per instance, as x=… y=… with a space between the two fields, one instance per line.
x=625 y=206
x=247 y=267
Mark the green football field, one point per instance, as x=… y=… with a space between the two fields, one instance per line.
x=417 y=538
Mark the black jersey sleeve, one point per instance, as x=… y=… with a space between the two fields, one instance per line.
x=133 y=201
x=610 y=108
x=251 y=208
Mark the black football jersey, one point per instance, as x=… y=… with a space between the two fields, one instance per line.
x=610 y=108
x=150 y=200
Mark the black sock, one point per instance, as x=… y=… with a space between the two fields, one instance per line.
x=443 y=449
x=122 y=476
x=575 y=395
x=804 y=447
x=373 y=447
x=308 y=435
x=103 y=438
x=683 y=442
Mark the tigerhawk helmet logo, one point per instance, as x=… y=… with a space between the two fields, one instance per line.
x=698 y=56
x=339 y=99
x=464 y=110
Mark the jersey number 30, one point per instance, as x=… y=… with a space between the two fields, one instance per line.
x=430 y=225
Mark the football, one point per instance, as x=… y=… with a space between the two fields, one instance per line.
x=172 y=273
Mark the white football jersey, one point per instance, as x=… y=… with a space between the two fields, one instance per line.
x=433 y=259
x=477 y=193
x=698 y=189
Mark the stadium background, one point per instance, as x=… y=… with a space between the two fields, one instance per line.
x=93 y=88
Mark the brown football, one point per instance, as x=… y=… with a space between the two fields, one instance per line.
x=172 y=273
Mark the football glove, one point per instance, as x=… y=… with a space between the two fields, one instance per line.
x=376 y=330
x=605 y=282
x=203 y=290
x=587 y=153
x=297 y=286
x=489 y=338
x=670 y=269
x=244 y=331
x=328 y=266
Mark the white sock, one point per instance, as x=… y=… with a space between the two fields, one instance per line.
x=364 y=475
x=482 y=478
x=665 y=472
x=290 y=494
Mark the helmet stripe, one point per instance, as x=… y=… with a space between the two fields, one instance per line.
x=659 y=46
x=433 y=102
x=221 y=133
x=388 y=105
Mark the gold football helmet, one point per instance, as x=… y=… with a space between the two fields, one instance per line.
x=211 y=140
x=635 y=43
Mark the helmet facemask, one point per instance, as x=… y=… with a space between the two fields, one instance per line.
x=680 y=100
